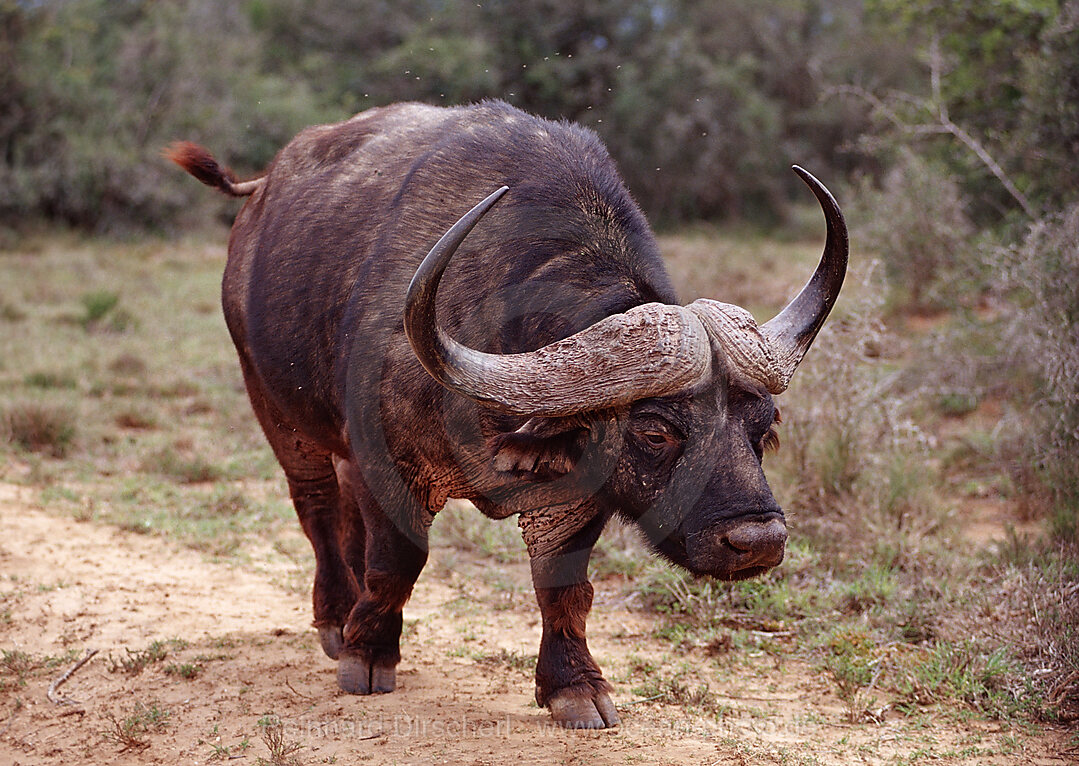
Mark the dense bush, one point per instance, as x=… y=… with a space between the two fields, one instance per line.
x=1041 y=279
x=703 y=106
x=917 y=223
x=97 y=88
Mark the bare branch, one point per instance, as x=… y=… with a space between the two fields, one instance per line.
x=943 y=123
x=56 y=699
x=987 y=159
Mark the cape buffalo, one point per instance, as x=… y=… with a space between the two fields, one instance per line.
x=545 y=370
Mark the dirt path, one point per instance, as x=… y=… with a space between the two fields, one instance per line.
x=464 y=694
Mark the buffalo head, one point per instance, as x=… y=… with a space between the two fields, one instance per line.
x=689 y=391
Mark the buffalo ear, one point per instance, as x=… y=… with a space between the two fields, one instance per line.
x=542 y=449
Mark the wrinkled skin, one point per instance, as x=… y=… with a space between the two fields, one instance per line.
x=320 y=258
x=691 y=477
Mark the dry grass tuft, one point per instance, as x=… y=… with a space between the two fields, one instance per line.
x=39 y=427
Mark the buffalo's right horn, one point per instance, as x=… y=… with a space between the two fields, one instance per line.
x=649 y=350
x=792 y=330
x=772 y=352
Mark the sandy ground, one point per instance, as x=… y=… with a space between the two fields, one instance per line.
x=68 y=586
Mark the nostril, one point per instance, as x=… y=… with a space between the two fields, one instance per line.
x=754 y=536
x=739 y=546
x=745 y=546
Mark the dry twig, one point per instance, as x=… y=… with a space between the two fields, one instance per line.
x=56 y=699
x=943 y=125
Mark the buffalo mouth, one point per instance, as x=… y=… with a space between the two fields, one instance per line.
x=742 y=574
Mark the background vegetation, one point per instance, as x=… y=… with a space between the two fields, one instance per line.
x=702 y=104
x=949 y=130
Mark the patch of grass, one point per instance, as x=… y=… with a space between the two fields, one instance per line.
x=228 y=503
x=47 y=380
x=100 y=312
x=143 y=382
x=130 y=732
x=186 y=670
x=960 y=671
x=97 y=304
x=16 y=666
x=17 y=663
x=694 y=600
x=619 y=553
x=218 y=520
x=282 y=751
x=39 y=427
x=874 y=587
x=460 y=525
x=134 y=661
x=674 y=690
x=224 y=752
x=525 y=663
x=854 y=664
x=640 y=666
x=194 y=469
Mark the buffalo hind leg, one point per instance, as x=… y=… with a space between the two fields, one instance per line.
x=568 y=680
x=393 y=560
x=313 y=485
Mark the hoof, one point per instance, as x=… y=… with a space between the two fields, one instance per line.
x=332 y=641
x=358 y=676
x=574 y=711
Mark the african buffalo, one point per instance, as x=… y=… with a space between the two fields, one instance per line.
x=548 y=372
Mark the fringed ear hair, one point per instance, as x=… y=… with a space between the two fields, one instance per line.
x=770 y=441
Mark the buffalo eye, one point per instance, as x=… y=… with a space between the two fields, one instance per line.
x=655 y=435
x=657 y=439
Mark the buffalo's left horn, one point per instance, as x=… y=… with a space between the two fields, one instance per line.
x=649 y=350
x=772 y=352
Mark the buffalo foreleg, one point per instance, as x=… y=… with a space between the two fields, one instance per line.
x=352 y=544
x=394 y=553
x=568 y=680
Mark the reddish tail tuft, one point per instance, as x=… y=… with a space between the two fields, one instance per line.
x=200 y=163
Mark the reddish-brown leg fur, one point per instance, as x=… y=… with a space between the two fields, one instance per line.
x=565 y=666
x=568 y=680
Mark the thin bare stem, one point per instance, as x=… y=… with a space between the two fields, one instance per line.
x=942 y=125
x=53 y=696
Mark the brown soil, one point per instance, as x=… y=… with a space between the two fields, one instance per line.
x=462 y=697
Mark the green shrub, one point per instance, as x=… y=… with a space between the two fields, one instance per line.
x=917 y=224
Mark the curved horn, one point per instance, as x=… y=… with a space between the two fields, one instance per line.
x=646 y=351
x=772 y=352
x=793 y=329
